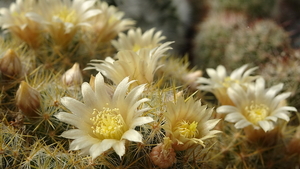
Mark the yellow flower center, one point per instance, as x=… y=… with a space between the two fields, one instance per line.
x=256 y=112
x=15 y=14
x=112 y=20
x=227 y=82
x=187 y=130
x=66 y=15
x=136 y=47
x=108 y=124
x=20 y=18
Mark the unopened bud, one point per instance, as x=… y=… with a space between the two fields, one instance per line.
x=163 y=155
x=294 y=146
x=92 y=82
x=28 y=100
x=190 y=78
x=72 y=76
x=10 y=64
x=107 y=87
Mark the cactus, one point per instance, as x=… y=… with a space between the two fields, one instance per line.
x=252 y=8
x=236 y=43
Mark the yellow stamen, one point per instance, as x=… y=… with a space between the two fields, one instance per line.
x=136 y=47
x=167 y=143
x=108 y=124
x=112 y=20
x=67 y=15
x=188 y=130
x=256 y=112
x=227 y=82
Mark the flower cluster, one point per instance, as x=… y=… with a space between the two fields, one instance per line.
x=62 y=20
x=112 y=115
x=245 y=99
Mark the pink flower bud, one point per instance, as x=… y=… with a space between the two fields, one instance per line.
x=163 y=155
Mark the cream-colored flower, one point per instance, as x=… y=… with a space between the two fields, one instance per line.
x=15 y=21
x=104 y=120
x=187 y=123
x=219 y=81
x=256 y=106
x=140 y=65
x=135 y=40
x=109 y=23
x=63 y=18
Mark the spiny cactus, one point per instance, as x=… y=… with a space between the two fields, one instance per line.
x=213 y=36
x=257 y=44
x=287 y=72
x=252 y=8
x=240 y=44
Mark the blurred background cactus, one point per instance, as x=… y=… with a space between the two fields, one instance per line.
x=252 y=8
x=213 y=37
x=228 y=39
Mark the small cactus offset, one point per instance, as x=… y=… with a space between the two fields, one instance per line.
x=87 y=85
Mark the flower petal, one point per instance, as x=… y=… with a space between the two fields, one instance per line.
x=83 y=142
x=132 y=135
x=73 y=133
x=101 y=90
x=241 y=124
x=119 y=147
x=89 y=97
x=90 y=13
x=210 y=124
x=234 y=117
x=282 y=116
x=226 y=109
x=102 y=146
x=266 y=125
x=73 y=120
x=77 y=108
x=140 y=121
x=131 y=112
x=237 y=73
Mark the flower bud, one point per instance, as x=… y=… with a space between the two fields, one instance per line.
x=72 y=76
x=10 y=64
x=190 y=79
x=294 y=146
x=28 y=100
x=92 y=82
x=163 y=155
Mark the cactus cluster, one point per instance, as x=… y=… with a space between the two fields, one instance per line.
x=228 y=39
x=252 y=8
